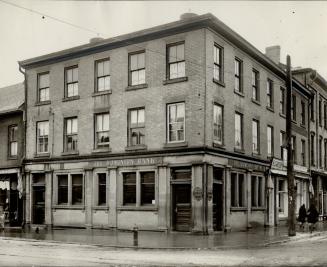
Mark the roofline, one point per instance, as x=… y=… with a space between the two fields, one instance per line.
x=320 y=80
x=11 y=112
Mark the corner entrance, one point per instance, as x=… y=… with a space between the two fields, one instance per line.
x=217 y=207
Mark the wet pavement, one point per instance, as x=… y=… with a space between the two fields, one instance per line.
x=252 y=238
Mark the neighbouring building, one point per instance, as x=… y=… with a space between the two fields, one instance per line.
x=11 y=155
x=177 y=127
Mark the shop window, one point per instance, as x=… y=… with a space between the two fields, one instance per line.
x=77 y=189
x=102 y=75
x=129 y=180
x=102 y=189
x=281 y=195
x=257 y=191
x=71 y=134
x=71 y=76
x=70 y=189
x=43 y=87
x=13 y=144
x=176 y=61
x=63 y=189
x=238 y=190
x=102 y=130
x=136 y=126
x=42 y=137
x=136 y=68
x=182 y=174
x=147 y=188
x=176 y=122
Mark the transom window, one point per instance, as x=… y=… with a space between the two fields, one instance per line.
x=102 y=130
x=238 y=74
x=13 y=144
x=176 y=61
x=71 y=134
x=176 y=122
x=218 y=123
x=71 y=81
x=137 y=68
x=42 y=136
x=102 y=75
x=218 y=63
x=43 y=83
x=255 y=85
x=136 y=126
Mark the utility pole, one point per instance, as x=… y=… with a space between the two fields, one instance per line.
x=290 y=162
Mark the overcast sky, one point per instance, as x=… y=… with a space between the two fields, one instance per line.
x=300 y=28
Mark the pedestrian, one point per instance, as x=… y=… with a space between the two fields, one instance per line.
x=302 y=216
x=312 y=217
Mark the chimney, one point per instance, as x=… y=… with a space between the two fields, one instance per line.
x=95 y=40
x=273 y=52
x=188 y=15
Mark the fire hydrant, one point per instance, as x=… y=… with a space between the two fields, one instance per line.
x=135 y=236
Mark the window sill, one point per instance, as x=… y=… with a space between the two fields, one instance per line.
x=100 y=208
x=68 y=153
x=42 y=103
x=76 y=97
x=303 y=126
x=255 y=102
x=238 y=209
x=270 y=109
x=256 y=155
x=239 y=150
x=42 y=155
x=138 y=208
x=176 y=80
x=258 y=209
x=136 y=87
x=294 y=121
x=221 y=83
x=12 y=157
x=68 y=207
x=239 y=93
x=282 y=115
x=106 y=92
x=101 y=150
x=137 y=147
x=216 y=144
x=176 y=144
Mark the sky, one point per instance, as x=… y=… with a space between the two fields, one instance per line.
x=41 y=27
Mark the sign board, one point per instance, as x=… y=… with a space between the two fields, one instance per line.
x=128 y=162
x=246 y=165
x=280 y=165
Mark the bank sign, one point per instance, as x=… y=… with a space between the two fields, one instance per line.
x=129 y=162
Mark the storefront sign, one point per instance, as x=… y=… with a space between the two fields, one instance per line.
x=197 y=193
x=129 y=162
x=246 y=165
x=281 y=166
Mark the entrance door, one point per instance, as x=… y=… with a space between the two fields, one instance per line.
x=38 y=204
x=182 y=208
x=217 y=207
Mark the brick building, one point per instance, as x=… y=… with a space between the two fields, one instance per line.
x=11 y=154
x=175 y=127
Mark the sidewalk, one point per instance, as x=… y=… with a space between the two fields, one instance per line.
x=253 y=238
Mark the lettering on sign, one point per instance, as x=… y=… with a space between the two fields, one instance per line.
x=246 y=165
x=129 y=162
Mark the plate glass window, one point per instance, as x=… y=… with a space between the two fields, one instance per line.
x=102 y=75
x=238 y=131
x=176 y=122
x=147 y=188
x=129 y=188
x=137 y=68
x=255 y=85
x=71 y=134
x=43 y=82
x=237 y=190
x=176 y=61
x=13 y=130
x=102 y=189
x=137 y=127
x=42 y=137
x=257 y=191
x=218 y=123
x=63 y=189
x=102 y=130
x=237 y=76
x=72 y=81
x=218 y=63
x=77 y=189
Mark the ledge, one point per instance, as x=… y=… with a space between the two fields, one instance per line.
x=138 y=208
x=136 y=87
x=215 y=144
x=106 y=92
x=221 y=83
x=303 y=126
x=137 y=147
x=176 y=80
x=41 y=155
x=69 y=153
x=76 y=97
x=270 y=109
x=42 y=103
x=239 y=150
x=256 y=155
x=100 y=208
x=238 y=93
x=68 y=207
x=12 y=157
x=101 y=150
x=238 y=209
x=176 y=144
x=258 y=208
x=255 y=102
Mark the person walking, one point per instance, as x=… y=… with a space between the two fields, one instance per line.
x=312 y=217
x=302 y=216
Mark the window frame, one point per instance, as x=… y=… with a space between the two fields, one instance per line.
x=74 y=82
x=320 y=150
x=216 y=124
x=12 y=141
x=105 y=145
x=235 y=197
x=256 y=85
x=256 y=138
x=282 y=102
x=168 y=63
x=66 y=135
x=303 y=154
x=69 y=190
x=312 y=148
x=39 y=89
x=241 y=147
x=238 y=76
x=168 y=122
x=258 y=194
x=271 y=141
x=303 y=119
x=220 y=65
x=140 y=126
x=293 y=107
x=130 y=71
x=96 y=77
x=320 y=112
x=325 y=155
x=45 y=136
x=270 y=93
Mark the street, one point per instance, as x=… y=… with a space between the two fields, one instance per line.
x=302 y=250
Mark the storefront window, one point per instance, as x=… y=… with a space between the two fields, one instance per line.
x=129 y=180
x=102 y=191
x=238 y=190
x=147 y=188
x=257 y=191
x=77 y=189
x=62 y=189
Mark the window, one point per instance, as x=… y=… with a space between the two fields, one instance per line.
x=312 y=149
x=283 y=149
x=320 y=151
x=312 y=109
x=137 y=68
x=238 y=75
x=102 y=189
x=270 y=141
x=325 y=115
x=255 y=85
x=42 y=137
x=257 y=191
x=139 y=188
x=282 y=101
x=238 y=190
x=102 y=75
x=293 y=108
x=43 y=87
x=12 y=132
x=218 y=124
x=303 y=152
x=71 y=134
x=62 y=189
x=325 y=155
x=281 y=195
x=302 y=113
x=176 y=61
x=293 y=146
x=270 y=103
x=320 y=115
x=218 y=63
x=71 y=77
x=136 y=127
x=255 y=136
x=77 y=189
x=70 y=189
x=176 y=122
x=238 y=131
x=102 y=130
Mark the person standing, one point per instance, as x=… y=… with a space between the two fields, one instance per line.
x=312 y=217
x=302 y=216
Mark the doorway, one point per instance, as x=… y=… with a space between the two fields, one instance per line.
x=38 y=199
x=217 y=199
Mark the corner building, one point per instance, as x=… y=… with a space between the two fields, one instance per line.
x=163 y=129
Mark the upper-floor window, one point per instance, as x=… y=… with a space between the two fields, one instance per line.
x=13 y=140
x=320 y=151
x=270 y=141
x=255 y=85
x=218 y=63
x=42 y=137
x=102 y=130
x=293 y=146
x=293 y=108
x=283 y=149
x=102 y=75
x=238 y=131
x=218 y=123
x=137 y=68
x=238 y=75
x=176 y=122
x=71 y=76
x=282 y=101
x=136 y=131
x=303 y=152
x=320 y=113
x=325 y=115
x=43 y=87
x=312 y=109
x=312 y=149
x=302 y=113
x=176 y=61
x=255 y=136
x=270 y=103
x=325 y=155
x=71 y=134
